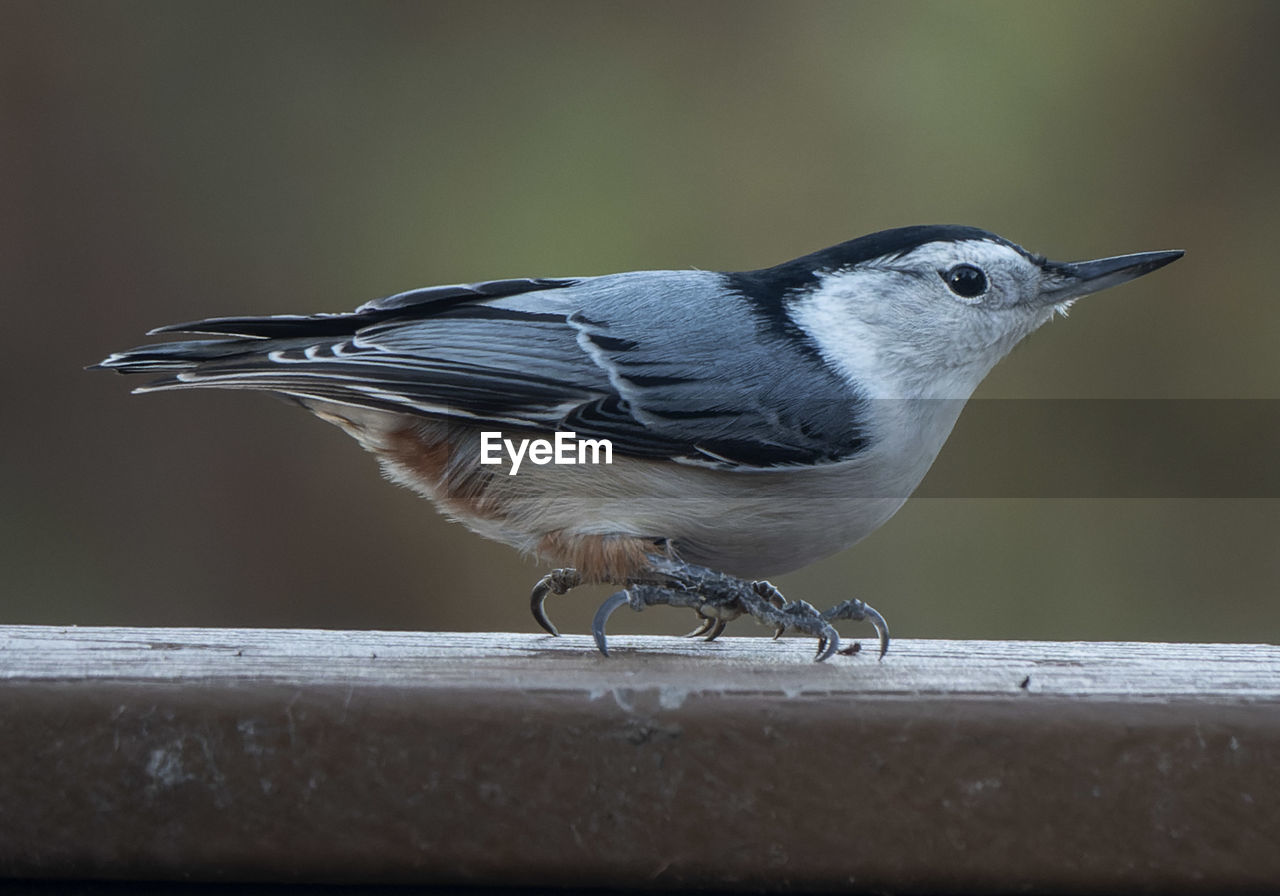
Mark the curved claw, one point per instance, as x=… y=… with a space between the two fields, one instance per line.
x=860 y=611
x=703 y=627
x=536 y=600
x=558 y=581
x=827 y=645
x=602 y=617
x=882 y=629
x=769 y=592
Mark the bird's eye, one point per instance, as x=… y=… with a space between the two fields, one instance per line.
x=966 y=281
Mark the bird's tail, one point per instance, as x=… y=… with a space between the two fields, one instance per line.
x=245 y=357
x=193 y=364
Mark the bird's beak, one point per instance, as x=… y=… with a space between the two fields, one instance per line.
x=1068 y=281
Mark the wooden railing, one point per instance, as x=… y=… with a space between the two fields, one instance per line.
x=254 y=755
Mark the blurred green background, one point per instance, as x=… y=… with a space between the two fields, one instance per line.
x=173 y=160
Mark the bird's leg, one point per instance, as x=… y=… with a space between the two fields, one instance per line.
x=558 y=581
x=718 y=598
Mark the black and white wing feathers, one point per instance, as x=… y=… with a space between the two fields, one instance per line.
x=670 y=365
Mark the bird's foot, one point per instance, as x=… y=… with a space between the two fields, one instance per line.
x=860 y=611
x=718 y=599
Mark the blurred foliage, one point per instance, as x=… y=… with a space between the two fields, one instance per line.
x=172 y=160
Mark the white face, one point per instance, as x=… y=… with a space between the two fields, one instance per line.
x=975 y=273
x=929 y=323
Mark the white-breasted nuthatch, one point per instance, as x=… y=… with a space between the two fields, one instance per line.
x=758 y=420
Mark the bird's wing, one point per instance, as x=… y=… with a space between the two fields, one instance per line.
x=636 y=358
x=714 y=370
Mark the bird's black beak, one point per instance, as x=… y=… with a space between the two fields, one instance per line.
x=1066 y=281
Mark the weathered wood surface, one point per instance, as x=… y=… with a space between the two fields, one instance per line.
x=216 y=754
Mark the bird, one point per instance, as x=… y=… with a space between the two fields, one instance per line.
x=754 y=421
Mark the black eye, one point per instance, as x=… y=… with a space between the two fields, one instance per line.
x=966 y=281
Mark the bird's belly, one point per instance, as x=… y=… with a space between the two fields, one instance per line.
x=748 y=524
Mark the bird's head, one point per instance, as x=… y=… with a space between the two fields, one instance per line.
x=926 y=312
